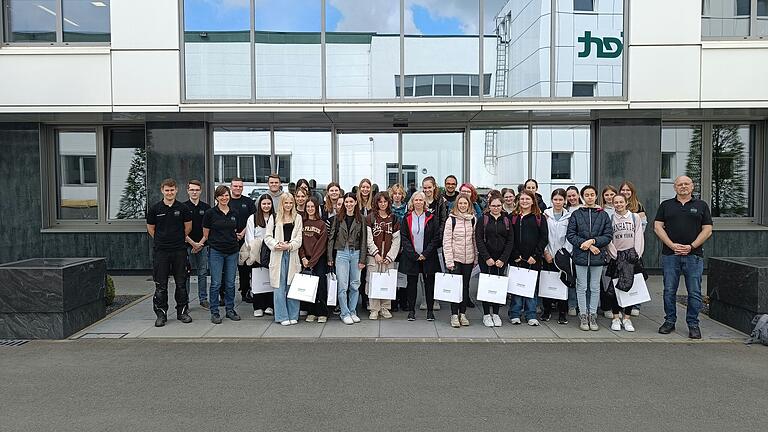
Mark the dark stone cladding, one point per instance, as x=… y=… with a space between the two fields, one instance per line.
x=738 y=290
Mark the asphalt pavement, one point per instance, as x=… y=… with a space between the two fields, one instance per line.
x=275 y=385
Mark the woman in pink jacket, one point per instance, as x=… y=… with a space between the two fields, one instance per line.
x=460 y=252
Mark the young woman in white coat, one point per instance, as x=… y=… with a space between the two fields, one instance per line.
x=283 y=238
x=255 y=231
x=557 y=227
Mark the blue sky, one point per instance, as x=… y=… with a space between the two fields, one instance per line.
x=422 y=16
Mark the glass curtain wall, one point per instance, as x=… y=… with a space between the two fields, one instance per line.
x=367 y=155
x=244 y=153
x=436 y=154
x=560 y=157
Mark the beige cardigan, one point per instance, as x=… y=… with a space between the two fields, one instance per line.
x=276 y=257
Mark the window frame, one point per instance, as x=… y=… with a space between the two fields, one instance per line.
x=551 y=165
x=5 y=28
x=584 y=10
x=752 y=26
x=50 y=179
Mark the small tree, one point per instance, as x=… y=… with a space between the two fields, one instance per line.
x=693 y=164
x=728 y=172
x=133 y=201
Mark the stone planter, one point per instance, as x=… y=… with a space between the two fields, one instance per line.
x=738 y=290
x=51 y=298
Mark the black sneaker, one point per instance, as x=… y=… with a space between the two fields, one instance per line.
x=205 y=305
x=562 y=318
x=694 y=333
x=233 y=315
x=247 y=297
x=337 y=311
x=545 y=316
x=667 y=328
x=161 y=319
x=430 y=316
x=411 y=316
x=184 y=317
x=216 y=319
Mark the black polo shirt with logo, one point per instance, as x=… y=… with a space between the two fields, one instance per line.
x=223 y=229
x=245 y=207
x=169 y=224
x=683 y=222
x=197 y=218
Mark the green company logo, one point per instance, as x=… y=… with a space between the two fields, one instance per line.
x=607 y=47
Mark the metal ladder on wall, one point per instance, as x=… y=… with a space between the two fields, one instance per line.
x=500 y=86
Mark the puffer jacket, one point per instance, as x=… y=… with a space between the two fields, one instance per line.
x=459 y=241
x=589 y=223
x=557 y=231
x=408 y=256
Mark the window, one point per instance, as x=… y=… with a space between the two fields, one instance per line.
x=667 y=166
x=761 y=23
x=726 y=18
x=100 y=174
x=584 y=89
x=732 y=170
x=424 y=85
x=57 y=22
x=561 y=166
x=583 y=5
x=443 y=85
x=303 y=154
x=251 y=168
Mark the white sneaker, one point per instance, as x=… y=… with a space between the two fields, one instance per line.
x=628 y=325
x=487 y=321
x=572 y=311
x=302 y=313
x=285 y=323
x=455 y=321
x=635 y=312
x=347 y=320
x=435 y=305
x=423 y=306
x=496 y=320
x=294 y=322
x=616 y=324
x=608 y=314
x=515 y=321
x=310 y=318
x=322 y=319
x=355 y=318
x=533 y=322
x=258 y=313
x=269 y=311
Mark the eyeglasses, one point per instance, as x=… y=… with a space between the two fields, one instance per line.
x=495 y=205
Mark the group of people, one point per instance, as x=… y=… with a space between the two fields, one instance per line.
x=420 y=234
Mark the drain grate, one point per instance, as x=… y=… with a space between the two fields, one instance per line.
x=103 y=336
x=12 y=342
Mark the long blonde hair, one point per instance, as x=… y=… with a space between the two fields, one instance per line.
x=455 y=209
x=281 y=211
x=362 y=203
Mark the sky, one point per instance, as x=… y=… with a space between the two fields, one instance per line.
x=427 y=17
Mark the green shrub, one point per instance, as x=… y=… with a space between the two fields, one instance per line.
x=110 y=297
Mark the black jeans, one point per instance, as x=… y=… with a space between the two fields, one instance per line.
x=167 y=263
x=429 y=288
x=488 y=306
x=320 y=306
x=363 y=295
x=613 y=304
x=546 y=303
x=465 y=270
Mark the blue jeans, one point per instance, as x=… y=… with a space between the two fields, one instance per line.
x=572 y=298
x=223 y=268
x=517 y=306
x=199 y=262
x=285 y=308
x=588 y=280
x=348 y=280
x=691 y=267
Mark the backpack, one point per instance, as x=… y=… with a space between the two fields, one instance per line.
x=538 y=219
x=487 y=219
x=760 y=333
x=453 y=222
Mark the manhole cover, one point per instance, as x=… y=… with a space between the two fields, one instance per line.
x=12 y=342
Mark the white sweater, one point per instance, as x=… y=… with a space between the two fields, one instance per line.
x=557 y=230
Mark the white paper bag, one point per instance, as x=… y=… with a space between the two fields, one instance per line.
x=492 y=288
x=383 y=285
x=260 y=281
x=550 y=286
x=522 y=282
x=332 y=287
x=638 y=294
x=303 y=287
x=448 y=287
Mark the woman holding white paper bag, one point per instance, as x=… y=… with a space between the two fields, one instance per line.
x=557 y=227
x=460 y=252
x=531 y=237
x=383 y=248
x=284 y=239
x=495 y=241
x=627 y=242
x=255 y=231
x=313 y=257
x=346 y=249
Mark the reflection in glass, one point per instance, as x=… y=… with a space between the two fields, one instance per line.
x=31 y=21
x=761 y=28
x=366 y=155
x=498 y=157
x=304 y=154
x=77 y=180
x=363 y=48
x=551 y=140
x=86 y=20
x=127 y=174
x=217 y=52
x=239 y=152
x=725 y=18
x=732 y=170
x=435 y=154
x=680 y=155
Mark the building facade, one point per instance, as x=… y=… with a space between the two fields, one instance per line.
x=101 y=100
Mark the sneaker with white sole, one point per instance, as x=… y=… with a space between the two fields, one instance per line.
x=355 y=318
x=347 y=320
x=269 y=311
x=294 y=322
x=258 y=313
x=455 y=321
x=285 y=323
x=635 y=312
x=583 y=322
x=608 y=314
x=386 y=314
x=373 y=315
x=322 y=319
x=310 y=318
x=496 y=320
x=616 y=324
x=487 y=321
x=572 y=311
x=423 y=306
x=533 y=322
x=593 y=322
x=435 y=305
x=515 y=321
x=628 y=325
x=463 y=320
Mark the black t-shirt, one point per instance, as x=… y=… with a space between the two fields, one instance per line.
x=169 y=224
x=683 y=222
x=197 y=218
x=244 y=207
x=451 y=198
x=287 y=231
x=223 y=234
